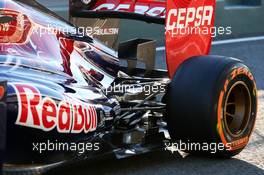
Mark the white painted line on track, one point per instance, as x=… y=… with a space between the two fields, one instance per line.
x=238 y=40
x=228 y=41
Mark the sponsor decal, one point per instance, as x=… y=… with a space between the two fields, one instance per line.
x=101 y=31
x=195 y=17
x=154 y=10
x=42 y=112
x=239 y=143
x=242 y=70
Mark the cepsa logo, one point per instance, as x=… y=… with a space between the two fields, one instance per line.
x=194 y=17
x=153 y=10
x=43 y=113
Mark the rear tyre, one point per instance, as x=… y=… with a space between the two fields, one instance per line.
x=212 y=105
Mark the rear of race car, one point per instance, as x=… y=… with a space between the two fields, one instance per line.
x=220 y=90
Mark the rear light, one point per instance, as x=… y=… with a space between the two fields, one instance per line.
x=2 y=92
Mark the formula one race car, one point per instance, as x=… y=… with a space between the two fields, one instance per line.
x=65 y=97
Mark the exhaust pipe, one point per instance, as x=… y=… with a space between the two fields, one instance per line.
x=3 y=121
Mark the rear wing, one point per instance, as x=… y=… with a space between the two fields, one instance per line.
x=189 y=24
x=153 y=11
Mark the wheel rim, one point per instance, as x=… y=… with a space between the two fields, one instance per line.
x=237 y=109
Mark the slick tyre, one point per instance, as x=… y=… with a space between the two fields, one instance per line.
x=212 y=100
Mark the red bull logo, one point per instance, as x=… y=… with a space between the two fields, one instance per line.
x=40 y=112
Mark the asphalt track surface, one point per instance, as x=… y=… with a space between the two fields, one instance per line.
x=250 y=161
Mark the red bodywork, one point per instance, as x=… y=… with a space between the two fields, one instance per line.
x=182 y=46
